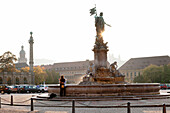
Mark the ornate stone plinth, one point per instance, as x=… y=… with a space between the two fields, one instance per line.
x=100 y=53
x=102 y=73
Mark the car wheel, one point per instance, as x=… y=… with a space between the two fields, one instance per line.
x=2 y=92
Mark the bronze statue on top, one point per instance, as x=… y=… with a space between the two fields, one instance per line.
x=99 y=22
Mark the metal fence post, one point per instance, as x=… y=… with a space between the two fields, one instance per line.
x=11 y=100
x=32 y=106
x=73 y=106
x=0 y=102
x=164 y=108
x=128 y=107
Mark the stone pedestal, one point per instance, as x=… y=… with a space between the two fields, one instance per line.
x=102 y=73
x=100 y=53
x=100 y=57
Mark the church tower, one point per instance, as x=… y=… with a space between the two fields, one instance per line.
x=22 y=58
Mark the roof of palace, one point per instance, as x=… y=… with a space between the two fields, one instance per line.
x=21 y=65
x=141 y=63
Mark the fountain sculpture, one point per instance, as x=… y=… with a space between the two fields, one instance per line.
x=101 y=79
x=100 y=72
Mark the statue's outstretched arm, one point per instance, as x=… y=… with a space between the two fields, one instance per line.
x=108 y=25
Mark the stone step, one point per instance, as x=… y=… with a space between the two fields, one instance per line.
x=100 y=98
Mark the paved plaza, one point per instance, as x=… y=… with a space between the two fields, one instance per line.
x=24 y=99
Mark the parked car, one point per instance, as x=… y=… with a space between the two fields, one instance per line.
x=43 y=88
x=168 y=86
x=33 y=89
x=163 y=86
x=5 y=89
x=14 y=89
x=23 y=89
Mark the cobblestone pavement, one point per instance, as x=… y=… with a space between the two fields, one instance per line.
x=20 y=99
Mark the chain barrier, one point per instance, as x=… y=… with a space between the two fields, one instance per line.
x=83 y=103
x=86 y=104
x=22 y=101
x=15 y=102
x=55 y=104
x=5 y=100
x=122 y=104
x=116 y=104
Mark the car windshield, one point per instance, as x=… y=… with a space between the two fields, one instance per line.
x=43 y=86
x=21 y=86
x=11 y=86
x=30 y=86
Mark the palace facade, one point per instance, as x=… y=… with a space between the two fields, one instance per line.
x=73 y=71
x=134 y=67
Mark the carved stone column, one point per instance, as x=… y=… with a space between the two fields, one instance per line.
x=31 y=62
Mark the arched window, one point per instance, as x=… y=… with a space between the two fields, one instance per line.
x=9 y=82
x=135 y=74
x=25 y=80
x=127 y=74
x=1 y=81
x=17 y=80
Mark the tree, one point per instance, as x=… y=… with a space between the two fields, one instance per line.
x=7 y=62
x=25 y=69
x=154 y=74
x=52 y=77
x=165 y=78
x=39 y=72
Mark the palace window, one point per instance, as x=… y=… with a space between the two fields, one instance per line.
x=131 y=74
x=135 y=74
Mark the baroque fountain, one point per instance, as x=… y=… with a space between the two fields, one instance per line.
x=104 y=80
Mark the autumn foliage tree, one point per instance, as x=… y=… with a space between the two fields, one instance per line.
x=7 y=62
x=39 y=72
x=25 y=69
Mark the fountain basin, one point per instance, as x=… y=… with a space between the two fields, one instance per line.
x=109 y=89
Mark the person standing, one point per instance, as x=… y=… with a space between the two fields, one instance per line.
x=62 y=86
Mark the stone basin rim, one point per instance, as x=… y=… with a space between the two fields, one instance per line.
x=134 y=84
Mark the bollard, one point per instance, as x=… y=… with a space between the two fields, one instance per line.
x=73 y=106
x=128 y=107
x=0 y=102
x=164 y=108
x=32 y=106
x=11 y=100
